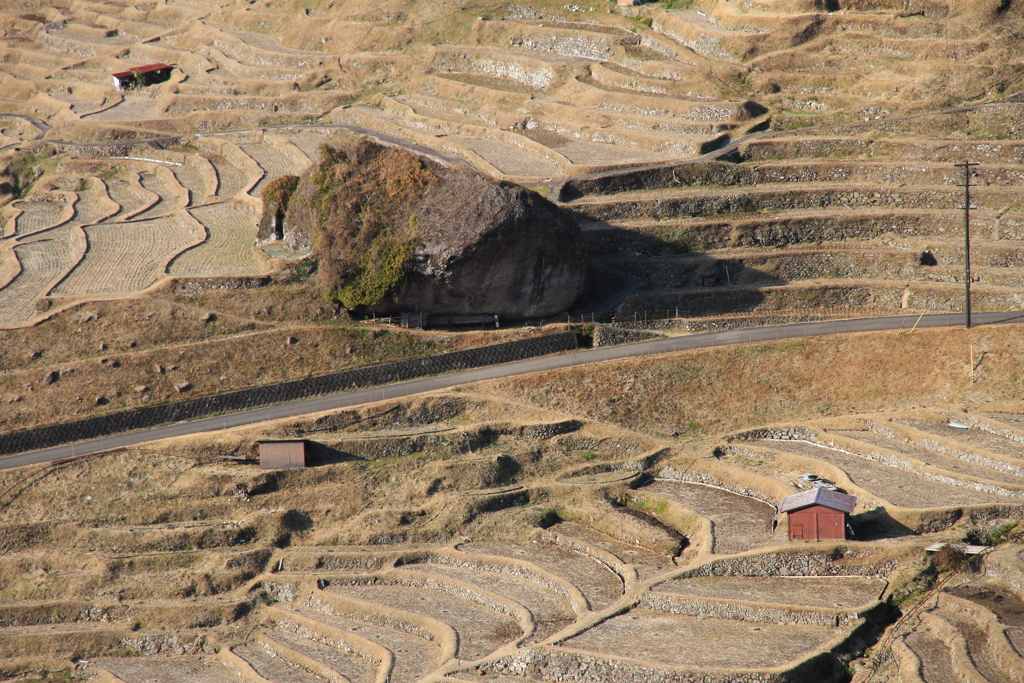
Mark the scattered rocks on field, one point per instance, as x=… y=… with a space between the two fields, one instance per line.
x=182 y=386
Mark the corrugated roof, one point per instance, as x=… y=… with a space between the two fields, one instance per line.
x=819 y=496
x=124 y=74
x=150 y=67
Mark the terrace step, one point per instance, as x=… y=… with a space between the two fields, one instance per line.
x=897 y=486
x=597 y=582
x=414 y=656
x=738 y=523
x=327 y=662
x=272 y=667
x=990 y=469
x=480 y=629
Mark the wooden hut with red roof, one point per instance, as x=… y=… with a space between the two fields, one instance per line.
x=818 y=514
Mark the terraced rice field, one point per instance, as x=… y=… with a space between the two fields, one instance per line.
x=129 y=194
x=654 y=638
x=972 y=438
x=936 y=663
x=160 y=670
x=163 y=184
x=738 y=523
x=227 y=250
x=414 y=656
x=274 y=161
x=898 y=486
x=127 y=257
x=840 y=592
x=599 y=585
x=551 y=611
x=37 y=216
x=949 y=463
x=230 y=179
x=480 y=630
x=43 y=262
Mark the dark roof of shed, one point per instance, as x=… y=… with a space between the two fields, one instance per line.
x=150 y=67
x=819 y=496
x=124 y=74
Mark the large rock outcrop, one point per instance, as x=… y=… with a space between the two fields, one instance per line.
x=394 y=232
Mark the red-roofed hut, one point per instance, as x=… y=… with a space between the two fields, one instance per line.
x=818 y=514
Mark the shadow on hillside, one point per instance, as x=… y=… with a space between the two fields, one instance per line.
x=878 y=524
x=318 y=454
x=679 y=279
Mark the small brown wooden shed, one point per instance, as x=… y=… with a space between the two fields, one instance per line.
x=818 y=514
x=282 y=455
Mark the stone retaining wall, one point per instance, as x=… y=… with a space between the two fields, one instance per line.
x=791 y=564
x=729 y=609
x=140 y=418
x=569 y=666
x=938 y=447
x=605 y=335
x=691 y=476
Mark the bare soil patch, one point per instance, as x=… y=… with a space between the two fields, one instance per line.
x=936 y=662
x=995 y=597
x=837 y=592
x=738 y=523
x=658 y=638
x=599 y=584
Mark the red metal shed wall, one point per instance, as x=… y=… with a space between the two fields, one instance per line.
x=817 y=523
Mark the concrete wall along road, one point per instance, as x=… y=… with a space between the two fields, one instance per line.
x=284 y=392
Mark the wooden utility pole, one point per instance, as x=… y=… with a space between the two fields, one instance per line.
x=967 y=237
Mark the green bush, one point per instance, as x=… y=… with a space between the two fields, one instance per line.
x=359 y=198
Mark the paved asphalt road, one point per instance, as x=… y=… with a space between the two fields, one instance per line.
x=584 y=357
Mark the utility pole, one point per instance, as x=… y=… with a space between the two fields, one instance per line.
x=967 y=236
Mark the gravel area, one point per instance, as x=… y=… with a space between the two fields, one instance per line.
x=551 y=611
x=599 y=585
x=481 y=630
x=840 y=592
x=898 y=486
x=738 y=523
x=659 y=638
x=946 y=462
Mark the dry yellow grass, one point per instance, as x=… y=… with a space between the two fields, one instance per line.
x=710 y=393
